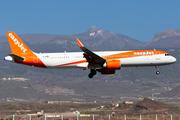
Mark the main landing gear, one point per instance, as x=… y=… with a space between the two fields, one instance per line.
x=92 y=73
x=157 y=72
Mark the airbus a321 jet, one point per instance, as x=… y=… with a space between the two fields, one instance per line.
x=105 y=62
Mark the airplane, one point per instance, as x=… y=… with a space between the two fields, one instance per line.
x=105 y=62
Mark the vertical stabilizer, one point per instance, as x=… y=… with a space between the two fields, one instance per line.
x=17 y=45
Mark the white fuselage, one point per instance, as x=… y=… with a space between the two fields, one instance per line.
x=76 y=59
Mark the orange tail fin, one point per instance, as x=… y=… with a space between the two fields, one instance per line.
x=17 y=45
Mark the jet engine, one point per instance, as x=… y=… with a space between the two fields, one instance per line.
x=113 y=64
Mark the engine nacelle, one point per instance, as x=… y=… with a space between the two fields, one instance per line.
x=108 y=71
x=113 y=64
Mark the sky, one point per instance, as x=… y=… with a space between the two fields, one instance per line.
x=138 y=19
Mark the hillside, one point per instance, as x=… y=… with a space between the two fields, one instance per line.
x=166 y=39
x=73 y=83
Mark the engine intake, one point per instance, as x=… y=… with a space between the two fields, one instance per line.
x=113 y=64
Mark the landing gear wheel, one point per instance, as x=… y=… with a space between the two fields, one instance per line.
x=90 y=75
x=157 y=72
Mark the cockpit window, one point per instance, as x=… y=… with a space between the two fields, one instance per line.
x=166 y=54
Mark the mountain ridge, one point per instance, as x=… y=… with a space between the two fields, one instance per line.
x=93 y=36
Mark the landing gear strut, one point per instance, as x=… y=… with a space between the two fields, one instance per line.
x=92 y=73
x=157 y=72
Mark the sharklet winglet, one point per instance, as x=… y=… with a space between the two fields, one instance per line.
x=79 y=43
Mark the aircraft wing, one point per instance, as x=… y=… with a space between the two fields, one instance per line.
x=92 y=58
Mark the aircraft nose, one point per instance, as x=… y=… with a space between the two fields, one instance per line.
x=173 y=59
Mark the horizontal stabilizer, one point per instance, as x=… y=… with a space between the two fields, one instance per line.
x=17 y=57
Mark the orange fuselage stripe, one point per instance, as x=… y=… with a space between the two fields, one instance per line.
x=128 y=54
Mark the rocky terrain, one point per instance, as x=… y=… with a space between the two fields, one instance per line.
x=147 y=108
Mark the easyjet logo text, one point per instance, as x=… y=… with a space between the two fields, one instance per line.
x=144 y=53
x=16 y=42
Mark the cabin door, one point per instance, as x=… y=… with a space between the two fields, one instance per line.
x=158 y=55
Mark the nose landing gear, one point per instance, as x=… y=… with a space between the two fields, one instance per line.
x=157 y=72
